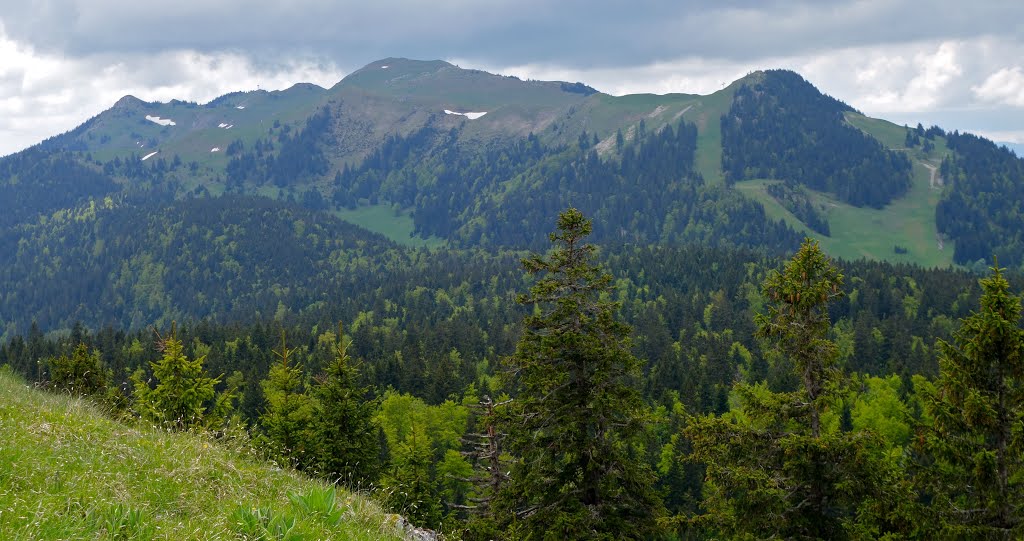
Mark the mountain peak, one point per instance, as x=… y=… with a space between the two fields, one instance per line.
x=396 y=66
x=128 y=101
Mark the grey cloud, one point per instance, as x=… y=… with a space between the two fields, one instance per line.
x=581 y=33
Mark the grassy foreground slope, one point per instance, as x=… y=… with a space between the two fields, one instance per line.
x=69 y=472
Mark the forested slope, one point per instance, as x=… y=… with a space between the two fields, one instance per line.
x=781 y=127
x=981 y=210
x=137 y=263
x=425 y=349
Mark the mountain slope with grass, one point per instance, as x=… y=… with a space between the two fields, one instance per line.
x=67 y=471
x=903 y=231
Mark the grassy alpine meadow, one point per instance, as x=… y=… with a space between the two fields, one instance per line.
x=67 y=471
x=384 y=219
x=864 y=232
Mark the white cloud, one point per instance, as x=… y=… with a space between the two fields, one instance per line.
x=1004 y=136
x=1005 y=86
x=686 y=75
x=935 y=72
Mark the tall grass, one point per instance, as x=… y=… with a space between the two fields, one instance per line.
x=67 y=471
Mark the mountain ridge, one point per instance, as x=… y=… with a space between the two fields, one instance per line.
x=303 y=144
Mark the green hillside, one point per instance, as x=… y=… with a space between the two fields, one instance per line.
x=907 y=222
x=69 y=472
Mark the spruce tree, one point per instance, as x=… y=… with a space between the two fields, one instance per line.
x=978 y=409
x=81 y=373
x=287 y=421
x=798 y=322
x=347 y=447
x=773 y=471
x=576 y=416
x=183 y=389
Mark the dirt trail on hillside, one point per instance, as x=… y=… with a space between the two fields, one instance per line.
x=935 y=181
x=657 y=111
x=681 y=113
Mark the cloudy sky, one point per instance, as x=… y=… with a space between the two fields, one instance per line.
x=956 y=64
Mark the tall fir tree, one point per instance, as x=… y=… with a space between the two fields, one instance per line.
x=577 y=417
x=798 y=323
x=977 y=440
x=347 y=445
x=773 y=471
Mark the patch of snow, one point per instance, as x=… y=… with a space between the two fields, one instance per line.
x=240 y=107
x=215 y=149
x=471 y=116
x=160 y=121
x=222 y=125
x=384 y=67
x=229 y=126
x=150 y=155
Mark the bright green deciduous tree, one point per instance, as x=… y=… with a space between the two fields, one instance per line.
x=408 y=484
x=978 y=410
x=576 y=415
x=419 y=437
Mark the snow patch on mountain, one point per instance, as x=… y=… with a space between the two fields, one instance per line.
x=471 y=116
x=160 y=121
x=215 y=149
x=150 y=155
